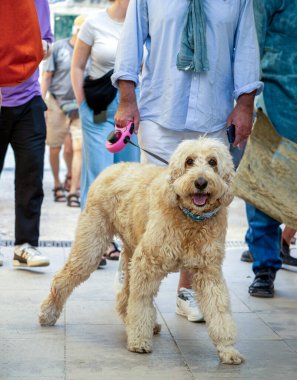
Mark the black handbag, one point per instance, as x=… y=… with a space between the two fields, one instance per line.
x=99 y=92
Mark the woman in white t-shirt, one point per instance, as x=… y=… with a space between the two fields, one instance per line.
x=97 y=41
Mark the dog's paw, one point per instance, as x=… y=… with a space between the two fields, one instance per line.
x=48 y=314
x=142 y=347
x=157 y=328
x=231 y=356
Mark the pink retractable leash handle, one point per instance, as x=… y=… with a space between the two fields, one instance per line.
x=119 y=138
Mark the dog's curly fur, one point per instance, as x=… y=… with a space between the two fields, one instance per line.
x=142 y=204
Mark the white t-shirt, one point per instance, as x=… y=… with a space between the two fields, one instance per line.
x=102 y=33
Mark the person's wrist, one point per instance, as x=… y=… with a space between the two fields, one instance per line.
x=246 y=101
x=246 y=108
x=79 y=101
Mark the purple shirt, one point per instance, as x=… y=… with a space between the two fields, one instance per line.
x=22 y=93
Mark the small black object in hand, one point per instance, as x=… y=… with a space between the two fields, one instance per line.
x=231 y=133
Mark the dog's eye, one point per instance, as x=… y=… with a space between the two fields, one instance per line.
x=189 y=161
x=213 y=162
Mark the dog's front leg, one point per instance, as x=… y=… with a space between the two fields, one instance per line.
x=145 y=279
x=213 y=299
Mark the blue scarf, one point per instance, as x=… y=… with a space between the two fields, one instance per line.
x=193 y=50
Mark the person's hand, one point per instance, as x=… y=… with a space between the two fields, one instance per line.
x=127 y=111
x=242 y=118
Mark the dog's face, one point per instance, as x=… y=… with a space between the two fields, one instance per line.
x=200 y=175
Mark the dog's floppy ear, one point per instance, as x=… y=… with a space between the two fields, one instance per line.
x=227 y=175
x=169 y=193
x=228 y=195
x=174 y=172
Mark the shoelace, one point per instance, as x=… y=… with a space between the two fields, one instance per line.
x=29 y=252
x=190 y=294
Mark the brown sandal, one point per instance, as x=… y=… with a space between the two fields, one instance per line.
x=59 y=195
x=73 y=200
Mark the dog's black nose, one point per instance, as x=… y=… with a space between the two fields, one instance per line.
x=201 y=183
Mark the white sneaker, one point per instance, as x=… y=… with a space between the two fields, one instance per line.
x=26 y=255
x=119 y=278
x=187 y=306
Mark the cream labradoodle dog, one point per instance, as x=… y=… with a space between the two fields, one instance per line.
x=169 y=218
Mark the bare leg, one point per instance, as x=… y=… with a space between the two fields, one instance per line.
x=92 y=239
x=185 y=280
x=54 y=153
x=76 y=166
x=67 y=153
x=213 y=298
x=145 y=278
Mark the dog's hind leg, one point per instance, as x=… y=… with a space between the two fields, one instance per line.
x=145 y=279
x=213 y=299
x=92 y=240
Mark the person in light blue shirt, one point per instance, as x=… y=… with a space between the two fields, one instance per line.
x=184 y=100
x=202 y=55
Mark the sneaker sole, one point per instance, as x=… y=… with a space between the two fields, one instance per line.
x=189 y=318
x=17 y=263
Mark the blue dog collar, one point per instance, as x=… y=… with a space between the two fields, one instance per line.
x=200 y=218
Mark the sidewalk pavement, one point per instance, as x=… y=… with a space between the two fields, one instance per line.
x=88 y=341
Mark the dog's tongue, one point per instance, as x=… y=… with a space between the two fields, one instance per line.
x=199 y=199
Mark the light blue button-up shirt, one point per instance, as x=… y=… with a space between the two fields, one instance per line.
x=181 y=100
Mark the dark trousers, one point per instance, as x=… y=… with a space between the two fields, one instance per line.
x=264 y=240
x=24 y=128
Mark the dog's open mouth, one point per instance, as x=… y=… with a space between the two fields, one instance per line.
x=200 y=199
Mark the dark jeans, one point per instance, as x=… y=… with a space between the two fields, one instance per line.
x=24 y=128
x=264 y=240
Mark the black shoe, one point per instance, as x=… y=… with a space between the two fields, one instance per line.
x=247 y=257
x=262 y=285
x=287 y=259
x=102 y=263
